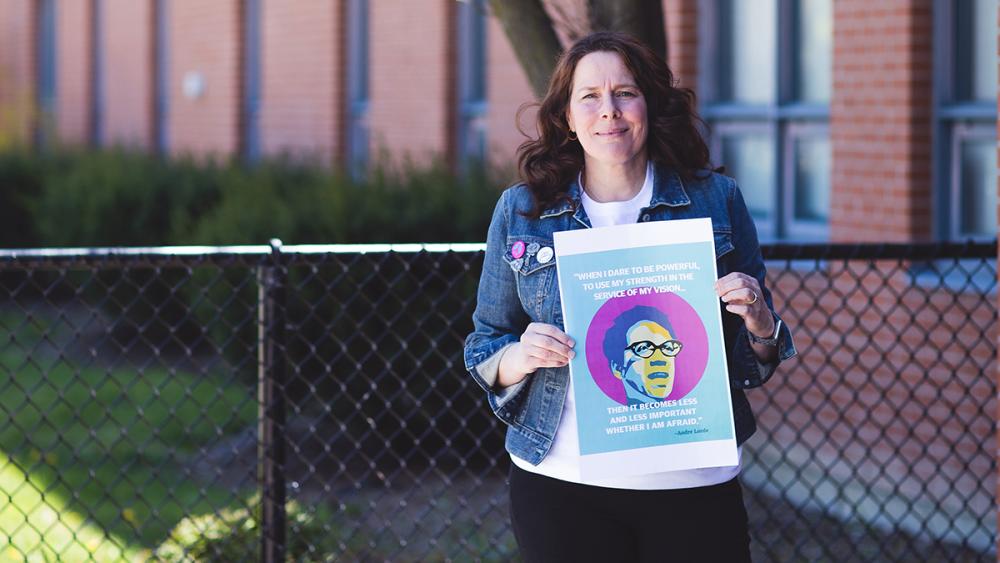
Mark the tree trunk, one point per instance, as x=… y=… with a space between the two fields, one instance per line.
x=532 y=35
x=642 y=19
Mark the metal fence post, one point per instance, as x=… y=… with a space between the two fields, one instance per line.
x=271 y=279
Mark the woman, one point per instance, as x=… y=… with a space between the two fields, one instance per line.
x=618 y=144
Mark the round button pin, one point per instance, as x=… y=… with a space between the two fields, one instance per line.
x=533 y=248
x=545 y=254
x=517 y=250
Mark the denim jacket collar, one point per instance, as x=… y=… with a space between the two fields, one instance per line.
x=668 y=189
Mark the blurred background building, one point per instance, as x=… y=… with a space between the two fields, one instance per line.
x=847 y=120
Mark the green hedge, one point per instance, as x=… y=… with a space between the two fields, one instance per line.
x=112 y=198
x=341 y=309
x=20 y=188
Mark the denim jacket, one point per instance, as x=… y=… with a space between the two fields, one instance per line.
x=513 y=293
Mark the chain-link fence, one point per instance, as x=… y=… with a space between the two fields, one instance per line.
x=311 y=403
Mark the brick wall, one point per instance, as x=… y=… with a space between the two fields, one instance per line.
x=204 y=37
x=17 y=70
x=412 y=84
x=682 y=40
x=302 y=88
x=127 y=46
x=73 y=71
x=880 y=120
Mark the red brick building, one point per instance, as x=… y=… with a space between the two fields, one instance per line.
x=843 y=120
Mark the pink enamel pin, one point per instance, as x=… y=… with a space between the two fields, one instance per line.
x=517 y=250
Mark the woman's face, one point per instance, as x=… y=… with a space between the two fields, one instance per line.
x=607 y=110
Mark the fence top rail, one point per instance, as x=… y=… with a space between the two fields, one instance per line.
x=881 y=251
x=188 y=255
x=382 y=248
x=170 y=256
x=254 y=249
x=131 y=251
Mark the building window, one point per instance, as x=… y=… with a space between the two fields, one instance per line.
x=45 y=73
x=766 y=96
x=965 y=118
x=471 y=28
x=357 y=81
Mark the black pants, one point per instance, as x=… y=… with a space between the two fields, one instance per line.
x=557 y=521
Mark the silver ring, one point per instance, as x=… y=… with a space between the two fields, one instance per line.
x=754 y=293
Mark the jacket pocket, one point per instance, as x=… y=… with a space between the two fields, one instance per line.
x=723 y=247
x=723 y=243
x=535 y=276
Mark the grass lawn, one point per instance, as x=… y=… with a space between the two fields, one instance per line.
x=95 y=459
x=41 y=527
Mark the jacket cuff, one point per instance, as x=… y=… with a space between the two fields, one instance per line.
x=480 y=353
x=501 y=396
x=489 y=369
x=759 y=372
x=486 y=373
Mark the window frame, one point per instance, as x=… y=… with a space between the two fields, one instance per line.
x=802 y=229
x=97 y=73
x=46 y=76
x=954 y=121
x=357 y=141
x=784 y=118
x=252 y=58
x=727 y=129
x=161 y=76
x=962 y=131
x=472 y=82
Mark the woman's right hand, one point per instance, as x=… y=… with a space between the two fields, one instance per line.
x=541 y=346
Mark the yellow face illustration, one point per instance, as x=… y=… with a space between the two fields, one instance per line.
x=649 y=360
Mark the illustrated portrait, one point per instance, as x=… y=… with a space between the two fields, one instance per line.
x=642 y=350
x=646 y=348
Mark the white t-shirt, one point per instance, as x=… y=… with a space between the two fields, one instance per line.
x=563 y=459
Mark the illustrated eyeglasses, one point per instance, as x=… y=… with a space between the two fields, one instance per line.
x=645 y=348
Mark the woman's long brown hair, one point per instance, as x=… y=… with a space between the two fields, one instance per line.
x=549 y=163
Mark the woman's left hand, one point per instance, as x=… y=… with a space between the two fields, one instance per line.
x=742 y=295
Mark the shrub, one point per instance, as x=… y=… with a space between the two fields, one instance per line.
x=71 y=197
x=111 y=198
x=302 y=204
x=20 y=186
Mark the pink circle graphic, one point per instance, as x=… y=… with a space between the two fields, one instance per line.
x=690 y=364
